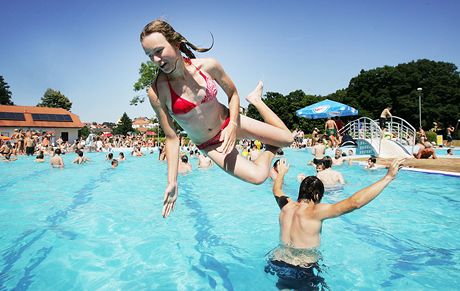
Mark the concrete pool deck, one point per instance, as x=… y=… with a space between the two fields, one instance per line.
x=451 y=165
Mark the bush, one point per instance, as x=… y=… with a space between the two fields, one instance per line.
x=431 y=136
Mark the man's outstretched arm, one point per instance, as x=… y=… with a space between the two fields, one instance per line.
x=280 y=197
x=362 y=197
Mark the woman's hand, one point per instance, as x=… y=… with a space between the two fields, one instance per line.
x=228 y=136
x=169 y=199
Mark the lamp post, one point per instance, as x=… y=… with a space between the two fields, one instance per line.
x=419 y=106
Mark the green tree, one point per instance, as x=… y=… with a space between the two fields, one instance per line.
x=5 y=93
x=84 y=132
x=286 y=106
x=55 y=99
x=372 y=90
x=124 y=126
x=148 y=72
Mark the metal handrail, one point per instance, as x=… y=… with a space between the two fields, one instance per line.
x=364 y=128
x=401 y=131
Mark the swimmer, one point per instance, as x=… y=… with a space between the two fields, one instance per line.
x=184 y=166
x=318 y=151
x=203 y=161
x=371 y=164
x=109 y=157
x=121 y=156
x=114 y=163
x=56 y=161
x=338 y=158
x=329 y=177
x=80 y=159
x=185 y=90
x=40 y=157
x=449 y=152
x=301 y=221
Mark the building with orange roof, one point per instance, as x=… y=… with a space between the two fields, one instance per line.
x=60 y=122
x=143 y=124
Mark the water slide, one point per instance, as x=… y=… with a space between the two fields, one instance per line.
x=372 y=140
x=387 y=148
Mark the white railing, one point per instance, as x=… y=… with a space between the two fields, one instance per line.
x=401 y=131
x=364 y=128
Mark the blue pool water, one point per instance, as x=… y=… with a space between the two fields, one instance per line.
x=91 y=227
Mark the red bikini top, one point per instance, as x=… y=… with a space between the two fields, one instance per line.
x=181 y=106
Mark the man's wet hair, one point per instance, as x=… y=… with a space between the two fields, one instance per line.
x=327 y=162
x=57 y=151
x=184 y=159
x=80 y=153
x=276 y=163
x=311 y=189
x=372 y=159
x=110 y=156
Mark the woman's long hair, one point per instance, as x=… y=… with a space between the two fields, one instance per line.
x=173 y=37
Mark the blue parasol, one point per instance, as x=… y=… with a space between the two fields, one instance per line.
x=326 y=108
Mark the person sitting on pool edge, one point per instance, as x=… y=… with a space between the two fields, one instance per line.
x=301 y=221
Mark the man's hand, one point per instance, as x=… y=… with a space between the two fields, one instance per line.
x=283 y=167
x=395 y=166
x=169 y=199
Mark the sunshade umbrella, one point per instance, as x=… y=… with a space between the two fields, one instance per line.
x=326 y=108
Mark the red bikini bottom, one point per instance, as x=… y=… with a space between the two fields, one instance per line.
x=214 y=140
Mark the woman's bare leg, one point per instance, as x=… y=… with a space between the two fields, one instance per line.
x=255 y=98
x=255 y=172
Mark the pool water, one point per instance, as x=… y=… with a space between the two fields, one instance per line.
x=92 y=227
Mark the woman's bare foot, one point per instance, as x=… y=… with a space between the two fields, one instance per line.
x=256 y=95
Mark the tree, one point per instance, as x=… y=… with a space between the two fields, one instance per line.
x=84 y=132
x=124 y=126
x=5 y=93
x=286 y=106
x=373 y=90
x=148 y=72
x=55 y=99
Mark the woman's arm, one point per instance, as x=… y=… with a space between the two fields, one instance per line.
x=171 y=150
x=229 y=133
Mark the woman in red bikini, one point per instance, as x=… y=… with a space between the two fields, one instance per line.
x=185 y=89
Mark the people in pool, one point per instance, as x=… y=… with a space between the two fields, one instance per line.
x=301 y=221
x=121 y=156
x=56 y=161
x=184 y=165
x=80 y=159
x=328 y=176
x=185 y=90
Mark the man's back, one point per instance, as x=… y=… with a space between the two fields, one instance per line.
x=299 y=226
x=319 y=151
x=331 y=124
x=330 y=177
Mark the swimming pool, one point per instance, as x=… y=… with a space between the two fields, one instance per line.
x=92 y=227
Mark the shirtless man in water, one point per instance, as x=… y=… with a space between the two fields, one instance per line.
x=301 y=221
x=56 y=161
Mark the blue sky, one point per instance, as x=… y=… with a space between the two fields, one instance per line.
x=90 y=50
